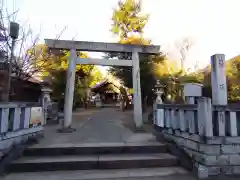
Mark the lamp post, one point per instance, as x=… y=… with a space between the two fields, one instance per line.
x=14 y=32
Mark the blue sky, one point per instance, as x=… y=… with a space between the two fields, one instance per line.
x=212 y=24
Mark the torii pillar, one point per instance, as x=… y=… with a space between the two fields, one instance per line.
x=69 y=93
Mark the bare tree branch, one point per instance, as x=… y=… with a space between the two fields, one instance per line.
x=25 y=64
x=183 y=46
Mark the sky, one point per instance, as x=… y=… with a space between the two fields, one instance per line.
x=213 y=25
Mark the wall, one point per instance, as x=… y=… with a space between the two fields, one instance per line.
x=20 y=124
x=208 y=134
x=12 y=145
x=213 y=156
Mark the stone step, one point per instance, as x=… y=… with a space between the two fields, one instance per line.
x=96 y=148
x=141 y=173
x=84 y=162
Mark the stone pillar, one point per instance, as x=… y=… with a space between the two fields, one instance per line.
x=219 y=89
x=69 y=93
x=204 y=116
x=138 y=119
x=218 y=80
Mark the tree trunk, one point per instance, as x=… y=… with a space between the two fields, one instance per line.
x=3 y=86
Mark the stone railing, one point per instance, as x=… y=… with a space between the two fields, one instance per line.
x=19 y=123
x=208 y=134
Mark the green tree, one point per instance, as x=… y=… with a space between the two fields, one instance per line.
x=127 y=18
x=82 y=84
x=44 y=61
x=95 y=77
x=52 y=66
x=233 y=78
x=128 y=24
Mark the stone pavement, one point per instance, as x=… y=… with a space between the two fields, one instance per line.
x=178 y=177
x=96 y=125
x=120 y=174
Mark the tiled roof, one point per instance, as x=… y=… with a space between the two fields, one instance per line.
x=100 y=84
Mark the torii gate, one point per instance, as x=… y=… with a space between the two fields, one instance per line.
x=74 y=46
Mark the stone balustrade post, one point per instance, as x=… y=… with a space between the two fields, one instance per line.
x=191 y=92
x=204 y=116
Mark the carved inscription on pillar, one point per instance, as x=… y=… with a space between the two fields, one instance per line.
x=218 y=79
x=222 y=86
x=221 y=117
x=221 y=123
x=221 y=62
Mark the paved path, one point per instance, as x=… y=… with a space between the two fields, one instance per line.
x=103 y=125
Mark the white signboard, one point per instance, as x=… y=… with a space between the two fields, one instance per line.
x=37 y=116
x=192 y=90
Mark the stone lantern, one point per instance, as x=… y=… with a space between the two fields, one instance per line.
x=158 y=117
x=45 y=99
x=98 y=100
x=159 y=91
